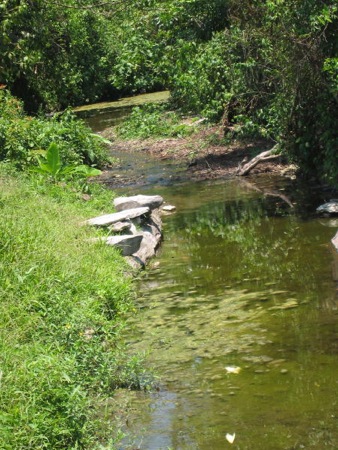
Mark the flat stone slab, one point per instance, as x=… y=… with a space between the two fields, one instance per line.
x=328 y=208
x=128 y=244
x=137 y=201
x=108 y=219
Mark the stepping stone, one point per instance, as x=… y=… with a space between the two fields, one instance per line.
x=136 y=201
x=108 y=219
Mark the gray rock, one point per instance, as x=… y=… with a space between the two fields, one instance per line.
x=330 y=208
x=335 y=241
x=136 y=201
x=152 y=236
x=108 y=219
x=120 y=226
x=128 y=244
x=143 y=227
x=147 y=249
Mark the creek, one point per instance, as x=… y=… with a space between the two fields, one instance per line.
x=237 y=317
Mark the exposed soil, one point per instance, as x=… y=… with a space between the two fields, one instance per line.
x=206 y=154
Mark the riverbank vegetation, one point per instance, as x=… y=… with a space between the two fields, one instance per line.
x=63 y=297
x=63 y=303
x=23 y=138
x=153 y=121
x=270 y=68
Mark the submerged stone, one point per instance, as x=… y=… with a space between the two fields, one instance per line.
x=332 y=223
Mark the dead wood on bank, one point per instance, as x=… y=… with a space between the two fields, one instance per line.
x=264 y=156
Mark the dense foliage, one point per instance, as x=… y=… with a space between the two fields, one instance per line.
x=53 y=53
x=23 y=139
x=270 y=67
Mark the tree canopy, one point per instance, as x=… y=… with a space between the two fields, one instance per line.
x=269 y=66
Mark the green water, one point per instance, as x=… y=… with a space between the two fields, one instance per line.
x=245 y=281
x=100 y=116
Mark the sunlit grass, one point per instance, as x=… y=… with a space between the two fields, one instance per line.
x=62 y=306
x=154 y=121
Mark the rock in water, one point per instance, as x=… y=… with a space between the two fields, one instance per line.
x=330 y=208
x=128 y=244
x=142 y=227
x=169 y=208
x=335 y=241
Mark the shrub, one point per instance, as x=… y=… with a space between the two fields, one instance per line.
x=21 y=136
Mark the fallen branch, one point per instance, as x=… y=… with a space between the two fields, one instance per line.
x=264 y=156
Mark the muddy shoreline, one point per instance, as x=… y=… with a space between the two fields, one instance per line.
x=204 y=155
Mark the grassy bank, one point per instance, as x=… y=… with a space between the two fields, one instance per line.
x=63 y=301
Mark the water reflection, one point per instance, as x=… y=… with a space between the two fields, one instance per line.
x=242 y=281
x=100 y=116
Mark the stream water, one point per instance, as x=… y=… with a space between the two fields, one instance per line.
x=244 y=283
x=238 y=319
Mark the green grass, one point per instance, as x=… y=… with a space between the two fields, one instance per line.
x=153 y=121
x=63 y=303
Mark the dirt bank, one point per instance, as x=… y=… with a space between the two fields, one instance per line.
x=206 y=154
